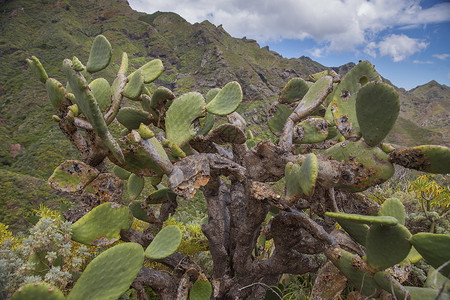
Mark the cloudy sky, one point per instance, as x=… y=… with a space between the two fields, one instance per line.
x=408 y=41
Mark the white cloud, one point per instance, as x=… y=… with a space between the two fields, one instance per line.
x=426 y=62
x=341 y=25
x=442 y=56
x=397 y=46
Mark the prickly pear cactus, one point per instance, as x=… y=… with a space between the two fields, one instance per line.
x=165 y=243
x=38 y=291
x=110 y=274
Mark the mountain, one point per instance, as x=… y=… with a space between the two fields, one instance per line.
x=196 y=56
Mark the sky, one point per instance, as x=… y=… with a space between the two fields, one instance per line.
x=408 y=41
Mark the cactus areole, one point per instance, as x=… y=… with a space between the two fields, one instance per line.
x=164 y=135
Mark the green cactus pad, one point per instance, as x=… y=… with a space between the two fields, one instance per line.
x=357 y=231
x=145 y=132
x=394 y=208
x=121 y=173
x=292 y=175
x=354 y=268
x=155 y=151
x=201 y=290
x=101 y=226
x=100 y=55
x=160 y=97
x=165 y=243
x=227 y=133
x=329 y=116
x=177 y=151
x=206 y=124
x=102 y=92
x=132 y=118
x=413 y=256
x=344 y=99
x=77 y=65
x=105 y=188
x=110 y=274
x=436 y=280
x=390 y=285
x=418 y=293
x=227 y=100
x=56 y=92
x=37 y=69
x=361 y=166
x=151 y=70
x=316 y=91
x=294 y=91
x=387 y=245
x=317 y=76
x=72 y=176
x=137 y=160
x=308 y=174
x=135 y=185
x=333 y=133
x=180 y=116
x=38 y=291
x=135 y=85
x=276 y=123
x=89 y=107
x=434 y=248
x=426 y=158
x=137 y=210
x=363 y=219
x=310 y=131
x=211 y=94
x=377 y=108
x=161 y=196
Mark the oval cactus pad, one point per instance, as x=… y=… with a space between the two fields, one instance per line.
x=308 y=174
x=426 y=158
x=110 y=274
x=377 y=108
x=165 y=243
x=100 y=55
x=38 y=291
x=201 y=290
x=72 y=176
x=227 y=100
x=102 y=225
x=434 y=248
x=294 y=91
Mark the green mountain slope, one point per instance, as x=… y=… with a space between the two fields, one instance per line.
x=196 y=56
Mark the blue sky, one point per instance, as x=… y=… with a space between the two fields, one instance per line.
x=408 y=41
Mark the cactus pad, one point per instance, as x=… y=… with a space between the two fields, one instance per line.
x=344 y=99
x=357 y=231
x=387 y=245
x=227 y=100
x=145 y=132
x=426 y=158
x=151 y=70
x=38 y=291
x=363 y=219
x=37 y=69
x=418 y=293
x=110 y=274
x=227 y=133
x=361 y=166
x=102 y=92
x=206 y=124
x=394 y=208
x=201 y=290
x=211 y=94
x=56 y=92
x=309 y=102
x=135 y=185
x=121 y=173
x=135 y=85
x=377 y=108
x=310 y=131
x=131 y=117
x=137 y=210
x=161 y=196
x=100 y=54
x=165 y=243
x=101 y=226
x=355 y=269
x=316 y=76
x=160 y=97
x=294 y=91
x=72 y=176
x=276 y=123
x=434 y=248
x=293 y=189
x=308 y=174
x=155 y=151
x=180 y=116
